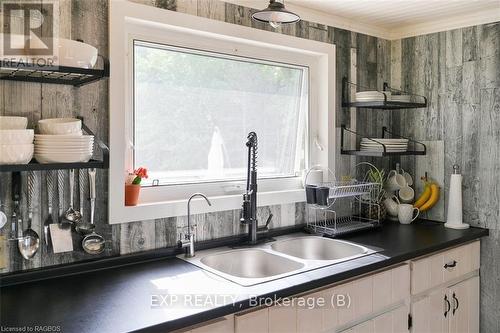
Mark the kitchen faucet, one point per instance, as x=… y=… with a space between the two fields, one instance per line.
x=188 y=241
x=249 y=209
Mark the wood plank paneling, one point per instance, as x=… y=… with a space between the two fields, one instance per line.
x=466 y=81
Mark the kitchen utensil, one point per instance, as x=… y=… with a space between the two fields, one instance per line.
x=93 y=243
x=405 y=213
x=16 y=154
x=50 y=193
x=3 y=217
x=395 y=181
x=454 y=216
x=72 y=214
x=11 y=123
x=322 y=195
x=311 y=194
x=83 y=226
x=391 y=204
x=16 y=195
x=60 y=126
x=29 y=243
x=63 y=223
x=61 y=238
x=16 y=137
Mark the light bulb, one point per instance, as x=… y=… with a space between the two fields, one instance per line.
x=274 y=24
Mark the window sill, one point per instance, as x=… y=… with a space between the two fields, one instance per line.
x=155 y=210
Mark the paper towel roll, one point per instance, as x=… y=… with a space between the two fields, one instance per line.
x=454 y=216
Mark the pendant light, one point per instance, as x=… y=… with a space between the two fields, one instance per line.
x=275 y=14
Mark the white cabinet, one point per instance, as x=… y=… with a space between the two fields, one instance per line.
x=282 y=319
x=447 y=289
x=442 y=267
x=256 y=321
x=395 y=321
x=448 y=310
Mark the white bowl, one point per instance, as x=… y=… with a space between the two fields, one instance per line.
x=16 y=154
x=76 y=54
x=16 y=137
x=63 y=158
x=60 y=126
x=70 y=53
x=12 y=123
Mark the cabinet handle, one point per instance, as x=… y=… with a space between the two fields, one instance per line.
x=451 y=264
x=455 y=299
x=448 y=305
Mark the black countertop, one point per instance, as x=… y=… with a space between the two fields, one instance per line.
x=120 y=299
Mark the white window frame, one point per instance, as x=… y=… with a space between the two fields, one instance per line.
x=129 y=21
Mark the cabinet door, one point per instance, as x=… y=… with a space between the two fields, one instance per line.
x=464 y=312
x=282 y=319
x=430 y=314
x=252 y=322
x=222 y=325
x=309 y=315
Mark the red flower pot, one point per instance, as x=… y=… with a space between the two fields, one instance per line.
x=132 y=194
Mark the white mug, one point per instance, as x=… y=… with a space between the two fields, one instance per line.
x=395 y=181
x=406 y=194
x=392 y=205
x=405 y=213
x=408 y=178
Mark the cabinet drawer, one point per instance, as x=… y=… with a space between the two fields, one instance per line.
x=221 y=325
x=444 y=266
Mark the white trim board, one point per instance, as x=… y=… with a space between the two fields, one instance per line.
x=471 y=19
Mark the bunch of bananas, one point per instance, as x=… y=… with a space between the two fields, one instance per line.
x=429 y=197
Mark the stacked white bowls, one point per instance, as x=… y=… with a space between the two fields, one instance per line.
x=16 y=142
x=61 y=141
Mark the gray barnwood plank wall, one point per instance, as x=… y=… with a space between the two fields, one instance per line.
x=459 y=72
x=88 y=20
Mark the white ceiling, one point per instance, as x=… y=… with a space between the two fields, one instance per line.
x=392 y=18
x=396 y=14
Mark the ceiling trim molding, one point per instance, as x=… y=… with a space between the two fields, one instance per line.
x=477 y=18
x=320 y=17
x=471 y=19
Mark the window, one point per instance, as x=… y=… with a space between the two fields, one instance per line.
x=194 y=109
x=185 y=92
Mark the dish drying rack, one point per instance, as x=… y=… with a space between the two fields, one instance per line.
x=362 y=211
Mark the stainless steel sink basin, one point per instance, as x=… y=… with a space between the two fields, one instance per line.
x=288 y=255
x=318 y=248
x=251 y=263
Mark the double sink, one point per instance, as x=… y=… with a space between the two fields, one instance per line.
x=287 y=255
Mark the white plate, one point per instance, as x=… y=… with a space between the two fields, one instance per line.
x=46 y=144
x=63 y=137
x=62 y=158
x=63 y=152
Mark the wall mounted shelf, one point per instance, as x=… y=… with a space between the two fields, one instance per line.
x=75 y=76
x=385 y=133
x=93 y=163
x=416 y=101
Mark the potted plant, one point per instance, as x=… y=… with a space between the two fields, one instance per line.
x=133 y=186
